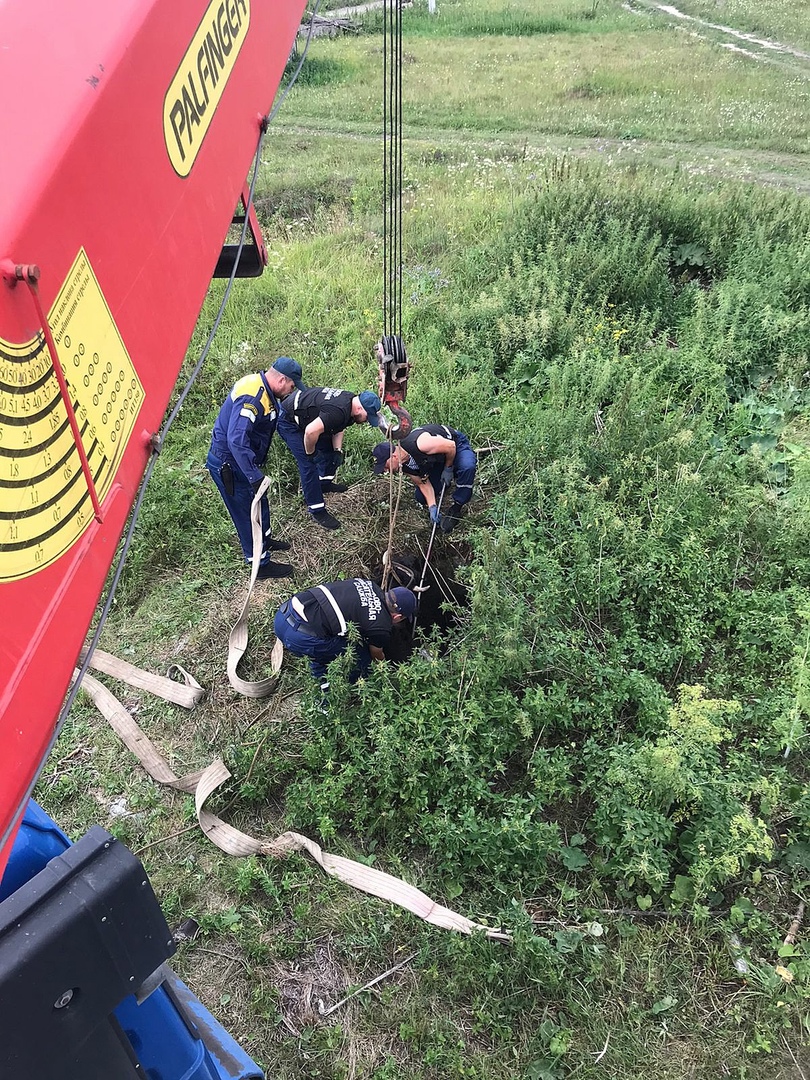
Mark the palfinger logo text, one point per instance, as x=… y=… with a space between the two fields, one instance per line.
x=197 y=87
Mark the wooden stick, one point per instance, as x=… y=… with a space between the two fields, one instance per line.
x=163 y=839
x=793 y=932
x=603 y=1051
x=327 y=1012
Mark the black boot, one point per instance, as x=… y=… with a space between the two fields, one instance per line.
x=331 y=487
x=275 y=545
x=451 y=517
x=325 y=519
x=273 y=570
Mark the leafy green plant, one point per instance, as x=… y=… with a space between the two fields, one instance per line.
x=690 y=261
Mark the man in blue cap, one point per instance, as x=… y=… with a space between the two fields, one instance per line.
x=312 y=424
x=435 y=458
x=315 y=623
x=239 y=444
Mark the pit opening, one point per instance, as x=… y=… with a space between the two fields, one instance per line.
x=440 y=606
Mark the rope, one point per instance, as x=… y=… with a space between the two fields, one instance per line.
x=204 y=782
x=393 y=510
x=238 y=637
x=421 y=587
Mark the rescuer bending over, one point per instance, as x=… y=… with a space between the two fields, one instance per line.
x=312 y=424
x=315 y=623
x=242 y=434
x=434 y=457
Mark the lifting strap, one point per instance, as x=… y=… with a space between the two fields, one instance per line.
x=204 y=782
x=238 y=639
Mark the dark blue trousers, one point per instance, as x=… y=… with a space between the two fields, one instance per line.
x=321 y=651
x=238 y=504
x=310 y=469
x=464 y=468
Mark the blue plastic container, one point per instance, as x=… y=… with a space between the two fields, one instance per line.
x=172 y=1034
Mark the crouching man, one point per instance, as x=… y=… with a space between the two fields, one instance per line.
x=312 y=423
x=435 y=457
x=315 y=623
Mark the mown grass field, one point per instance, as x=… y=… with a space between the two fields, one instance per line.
x=607 y=257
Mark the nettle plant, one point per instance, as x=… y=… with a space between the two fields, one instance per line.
x=683 y=799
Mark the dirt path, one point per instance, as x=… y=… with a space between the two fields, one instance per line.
x=761 y=49
x=788 y=171
x=330 y=22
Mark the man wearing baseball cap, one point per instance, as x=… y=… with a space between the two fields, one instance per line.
x=315 y=623
x=435 y=458
x=312 y=424
x=239 y=444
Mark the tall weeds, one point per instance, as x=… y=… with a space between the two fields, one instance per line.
x=640 y=561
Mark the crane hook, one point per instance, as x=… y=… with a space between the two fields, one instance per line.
x=394 y=369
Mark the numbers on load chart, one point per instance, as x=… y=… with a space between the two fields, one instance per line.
x=45 y=503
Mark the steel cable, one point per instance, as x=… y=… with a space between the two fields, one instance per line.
x=392 y=210
x=392 y=168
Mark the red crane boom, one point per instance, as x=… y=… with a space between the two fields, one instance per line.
x=126 y=135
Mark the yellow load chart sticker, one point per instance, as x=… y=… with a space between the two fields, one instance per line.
x=44 y=501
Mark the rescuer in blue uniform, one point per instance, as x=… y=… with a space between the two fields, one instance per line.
x=312 y=424
x=239 y=444
x=316 y=622
x=434 y=457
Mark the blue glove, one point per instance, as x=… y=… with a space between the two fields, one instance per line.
x=447 y=475
x=435 y=516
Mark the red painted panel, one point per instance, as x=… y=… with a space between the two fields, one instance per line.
x=125 y=218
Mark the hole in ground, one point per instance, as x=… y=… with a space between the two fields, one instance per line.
x=440 y=605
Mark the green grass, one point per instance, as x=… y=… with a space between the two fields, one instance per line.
x=637 y=80
x=630 y=339
x=516 y=18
